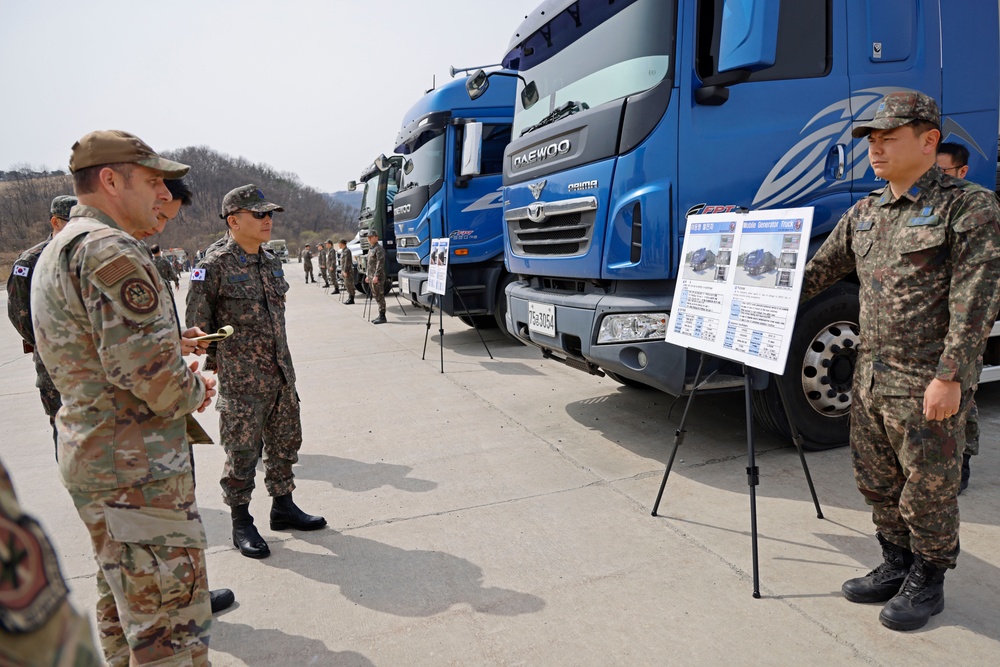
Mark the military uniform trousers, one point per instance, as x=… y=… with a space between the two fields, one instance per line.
x=909 y=470
x=152 y=584
x=244 y=422
x=378 y=293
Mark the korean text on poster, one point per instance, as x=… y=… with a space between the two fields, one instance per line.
x=437 y=272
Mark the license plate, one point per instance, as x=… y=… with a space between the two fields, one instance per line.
x=542 y=318
x=404 y=285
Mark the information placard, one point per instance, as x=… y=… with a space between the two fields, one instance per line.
x=437 y=271
x=738 y=287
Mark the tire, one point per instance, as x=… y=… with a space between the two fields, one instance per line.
x=628 y=382
x=478 y=321
x=818 y=373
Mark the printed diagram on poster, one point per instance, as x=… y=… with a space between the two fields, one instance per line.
x=437 y=271
x=738 y=290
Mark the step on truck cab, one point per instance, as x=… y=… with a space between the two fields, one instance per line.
x=380 y=181
x=633 y=115
x=448 y=192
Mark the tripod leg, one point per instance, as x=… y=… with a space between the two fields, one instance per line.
x=797 y=440
x=396 y=294
x=679 y=433
x=471 y=319
x=441 y=335
x=427 y=333
x=753 y=477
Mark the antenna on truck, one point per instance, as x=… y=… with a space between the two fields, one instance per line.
x=455 y=70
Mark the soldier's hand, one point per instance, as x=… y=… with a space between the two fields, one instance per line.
x=375 y=279
x=367 y=280
x=942 y=399
x=195 y=347
x=210 y=383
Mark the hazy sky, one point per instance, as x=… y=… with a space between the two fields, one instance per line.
x=314 y=87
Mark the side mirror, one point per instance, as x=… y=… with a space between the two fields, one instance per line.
x=472 y=149
x=352 y=186
x=477 y=84
x=749 y=38
x=529 y=95
x=382 y=163
x=408 y=166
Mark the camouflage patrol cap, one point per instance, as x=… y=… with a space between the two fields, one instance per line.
x=898 y=109
x=246 y=198
x=372 y=232
x=112 y=146
x=61 y=205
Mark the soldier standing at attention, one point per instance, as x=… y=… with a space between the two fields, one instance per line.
x=111 y=341
x=331 y=266
x=245 y=287
x=347 y=270
x=165 y=267
x=926 y=248
x=376 y=274
x=19 y=307
x=307 y=263
x=322 y=265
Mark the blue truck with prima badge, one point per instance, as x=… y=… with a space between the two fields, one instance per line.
x=632 y=116
x=453 y=149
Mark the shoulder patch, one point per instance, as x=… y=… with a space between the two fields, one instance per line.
x=21 y=270
x=198 y=274
x=115 y=270
x=239 y=278
x=139 y=296
x=32 y=588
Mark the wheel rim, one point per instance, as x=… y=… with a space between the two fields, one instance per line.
x=828 y=369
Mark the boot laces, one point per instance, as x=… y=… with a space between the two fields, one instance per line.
x=915 y=583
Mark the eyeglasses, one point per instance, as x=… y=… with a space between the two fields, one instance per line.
x=260 y=215
x=955 y=169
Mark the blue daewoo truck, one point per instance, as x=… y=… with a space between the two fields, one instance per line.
x=630 y=116
x=452 y=187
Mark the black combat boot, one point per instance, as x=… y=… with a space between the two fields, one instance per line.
x=286 y=514
x=921 y=596
x=380 y=319
x=966 y=472
x=884 y=581
x=350 y=300
x=245 y=535
x=221 y=598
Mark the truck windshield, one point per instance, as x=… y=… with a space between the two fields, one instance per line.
x=426 y=151
x=591 y=53
x=369 y=201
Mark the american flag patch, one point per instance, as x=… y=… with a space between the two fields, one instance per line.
x=198 y=274
x=21 y=270
x=115 y=270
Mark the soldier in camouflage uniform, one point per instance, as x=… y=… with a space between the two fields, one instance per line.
x=375 y=274
x=243 y=286
x=347 y=270
x=926 y=248
x=19 y=307
x=322 y=253
x=331 y=266
x=165 y=268
x=108 y=334
x=307 y=263
x=38 y=625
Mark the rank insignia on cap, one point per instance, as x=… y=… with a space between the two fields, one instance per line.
x=139 y=296
x=198 y=274
x=21 y=270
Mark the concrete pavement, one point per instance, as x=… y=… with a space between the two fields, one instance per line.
x=499 y=514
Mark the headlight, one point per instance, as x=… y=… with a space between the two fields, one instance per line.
x=625 y=328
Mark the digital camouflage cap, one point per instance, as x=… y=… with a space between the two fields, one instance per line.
x=61 y=205
x=246 y=198
x=898 y=109
x=114 y=146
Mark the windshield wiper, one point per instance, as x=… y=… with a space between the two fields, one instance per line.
x=558 y=113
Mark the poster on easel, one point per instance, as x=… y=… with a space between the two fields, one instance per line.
x=737 y=290
x=437 y=270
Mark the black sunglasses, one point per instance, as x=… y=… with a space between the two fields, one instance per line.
x=260 y=215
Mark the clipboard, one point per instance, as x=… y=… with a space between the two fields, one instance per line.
x=222 y=334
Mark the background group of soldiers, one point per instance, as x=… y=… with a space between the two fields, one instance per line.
x=336 y=267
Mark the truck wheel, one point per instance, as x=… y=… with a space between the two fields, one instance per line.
x=500 y=307
x=819 y=372
x=628 y=382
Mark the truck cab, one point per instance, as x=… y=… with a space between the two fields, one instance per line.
x=452 y=187
x=632 y=117
x=380 y=181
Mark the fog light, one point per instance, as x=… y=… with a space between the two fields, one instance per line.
x=634 y=327
x=642 y=359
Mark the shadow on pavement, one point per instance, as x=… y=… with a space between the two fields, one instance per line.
x=357 y=477
x=256 y=646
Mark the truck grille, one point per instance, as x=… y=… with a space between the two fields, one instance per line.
x=568 y=234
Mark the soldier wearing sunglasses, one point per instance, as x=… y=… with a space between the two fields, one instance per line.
x=244 y=286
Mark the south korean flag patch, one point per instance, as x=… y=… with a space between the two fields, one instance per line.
x=198 y=275
x=21 y=270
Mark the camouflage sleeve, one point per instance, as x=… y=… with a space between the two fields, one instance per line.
x=134 y=331
x=974 y=293
x=833 y=260
x=199 y=309
x=19 y=303
x=174 y=277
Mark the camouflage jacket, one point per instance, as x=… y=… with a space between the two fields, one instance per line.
x=166 y=269
x=376 y=262
x=108 y=333
x=347 y=263
x=19 y=312
x=324 y=255
x=307 y=258
x=246 y=292
x=929 y=270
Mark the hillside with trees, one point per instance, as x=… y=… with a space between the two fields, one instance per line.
x=309 y=217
